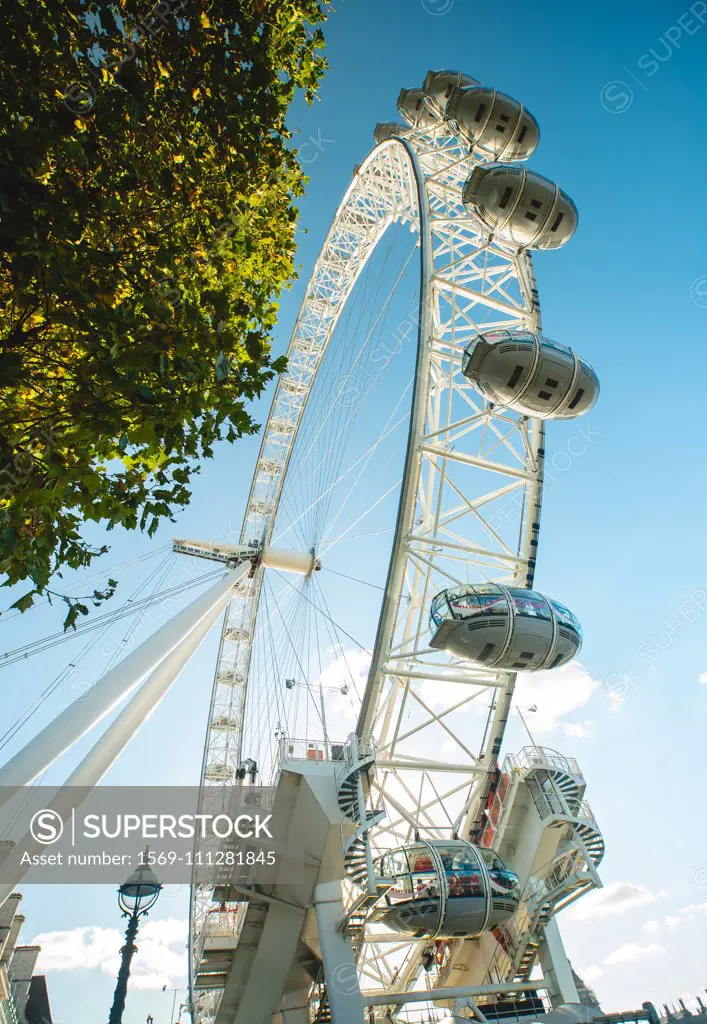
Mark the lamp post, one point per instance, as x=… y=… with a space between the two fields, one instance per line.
x=136 y=897
x=530 y=710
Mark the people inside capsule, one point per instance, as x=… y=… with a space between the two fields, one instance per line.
x=520 y=206
x=441 y=85
x=446 y=888
x=493 y=123
x=504 y=884
x=529 y=373
x=507 y=628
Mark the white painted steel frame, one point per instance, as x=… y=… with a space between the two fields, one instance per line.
x=447 y=531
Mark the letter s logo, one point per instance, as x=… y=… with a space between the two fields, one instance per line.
x=46 y=827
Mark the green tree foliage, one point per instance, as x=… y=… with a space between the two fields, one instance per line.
x=147 y=229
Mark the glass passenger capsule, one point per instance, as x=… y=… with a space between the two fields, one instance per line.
x=446 y=888
x=521 y=206
x=440 y=85
x=531 y=374
x=412 y=104
x=504 y=627
x=385 y=130
x=493 y=123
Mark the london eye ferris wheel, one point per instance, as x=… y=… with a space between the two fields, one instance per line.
x=411 y=417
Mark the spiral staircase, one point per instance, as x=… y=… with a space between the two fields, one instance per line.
x=358 y=757
x=358 y=858
x=557 y=787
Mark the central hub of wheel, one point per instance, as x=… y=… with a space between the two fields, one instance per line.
x=291 y=561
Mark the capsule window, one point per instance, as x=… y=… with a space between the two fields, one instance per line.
x=480 y=112
x=486 y=652
x=557 y=221
x=527 y=602
x=500 y=127
x=551 y=383
x=508 y=192
x=528 y=655
x=515 y=377
x=536 y=203
x=544 y=395
x=531 y=216
x=523 y=132
x=577 y=398
x=556 y=660
x=519 y=664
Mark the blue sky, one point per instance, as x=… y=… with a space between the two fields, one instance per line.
x=616 y=90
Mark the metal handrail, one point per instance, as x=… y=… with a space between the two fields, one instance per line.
x=544 y=757
x=238 y=914
x=587 y=814
x=365 y=748
x=296 y=749
x=225 y=923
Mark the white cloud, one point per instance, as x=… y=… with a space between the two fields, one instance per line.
x=616 y=898
x=590 y=974
x=673 y=921
x=160 y=959
x=693 y=910
x=703 y=677
x=346 y=664
x=577 y=730
x=80 y=948
x=171 y=931
x=631 y=952
x=556 y=694
x=437 y=695
x=349 y=669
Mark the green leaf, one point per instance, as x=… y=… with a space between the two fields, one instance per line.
x=9 y=538
x=25 y=602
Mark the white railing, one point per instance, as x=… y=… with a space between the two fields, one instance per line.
x=543 y=757
x=224 y=924
x=587 y=814
x=356 y=750
x=560 y=872
x=310 y=750
x=537 y=891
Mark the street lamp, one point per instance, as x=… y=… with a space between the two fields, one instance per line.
x=530 y=710
x=136 y=897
